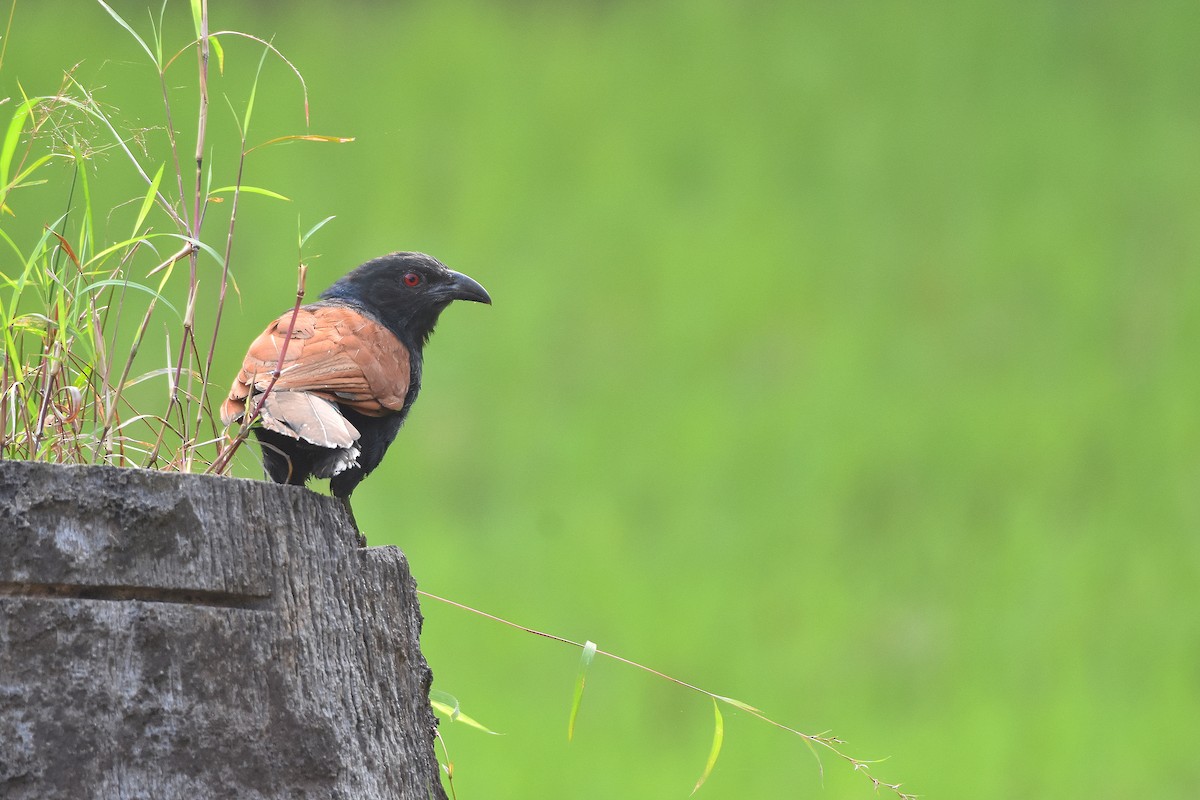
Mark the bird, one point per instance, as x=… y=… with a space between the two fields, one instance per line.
x=351 y=370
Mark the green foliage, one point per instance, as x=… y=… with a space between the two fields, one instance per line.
x=67 y=307
x=446 y=704
x=585 y=660
x=718 y=740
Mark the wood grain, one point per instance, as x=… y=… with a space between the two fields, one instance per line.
x=182 y=636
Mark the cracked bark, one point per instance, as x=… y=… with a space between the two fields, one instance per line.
x=181 y=636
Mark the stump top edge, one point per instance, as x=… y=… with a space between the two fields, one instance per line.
x=11 y=469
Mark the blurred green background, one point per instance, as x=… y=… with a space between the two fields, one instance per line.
x=843 y=361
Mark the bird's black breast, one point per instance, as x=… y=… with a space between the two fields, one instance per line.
x=377 y=433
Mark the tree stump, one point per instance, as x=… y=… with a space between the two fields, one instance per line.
x=183 y=636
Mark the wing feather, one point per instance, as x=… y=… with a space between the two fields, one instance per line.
x=304 y=415
x=334 y=353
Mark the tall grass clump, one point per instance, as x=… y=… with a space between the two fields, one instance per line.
x=81 y=294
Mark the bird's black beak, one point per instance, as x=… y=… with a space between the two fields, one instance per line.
x=462 y=287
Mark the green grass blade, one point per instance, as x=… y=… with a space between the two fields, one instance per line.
x=303 y=137
x=158 y=30
x=112 y=248
x=585 y=661
x=251 y=190
x=271 y=47
x=11 y=138
x=22 y=185
x=737 y=704
x=215 y=44
x=87 y=231
x=15 y=367
x=253 y=93
x=444 y=700
x=197 y=11
x=20 y=181
x=718 y=739
x=98 y=285
x=313 y=230
x=446 y=704
x=148 y=200
x=132 y=32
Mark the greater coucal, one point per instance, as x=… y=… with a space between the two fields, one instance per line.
x=351 y=371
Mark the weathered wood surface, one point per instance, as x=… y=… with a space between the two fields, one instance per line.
x=178 y=636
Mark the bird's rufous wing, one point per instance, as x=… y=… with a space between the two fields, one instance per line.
x=334 y=352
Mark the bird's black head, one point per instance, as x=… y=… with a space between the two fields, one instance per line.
x=406 y=292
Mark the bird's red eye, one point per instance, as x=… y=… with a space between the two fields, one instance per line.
x=411 y=279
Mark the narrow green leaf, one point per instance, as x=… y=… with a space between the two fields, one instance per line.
x=472 y=722
x=215 y=44
x=128 y=423
x=20 y=181
x=279 y=55
x=313 y=230
x=156 y=36
x=447 y=705
x=442 y=700
x=11 y=138
x=253 y=93
x=718 y=739
x=737 y=704
x=132 y=32
x=148 y=200
x=251 y=190
x=96 y=286
x=87 y=235
x=158 y=31
x=33 y=323
x=137 y=240
x=585 y=661
x=22 y=185
x=15 y=368
x=449 y=712
x=303 y=137
x=196 y=12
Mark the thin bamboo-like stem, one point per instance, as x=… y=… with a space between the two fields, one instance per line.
x=198 y=206
x=182 y=253
x=248 y=417
x=3 y=399
x=829 y=743
x=222 y=291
